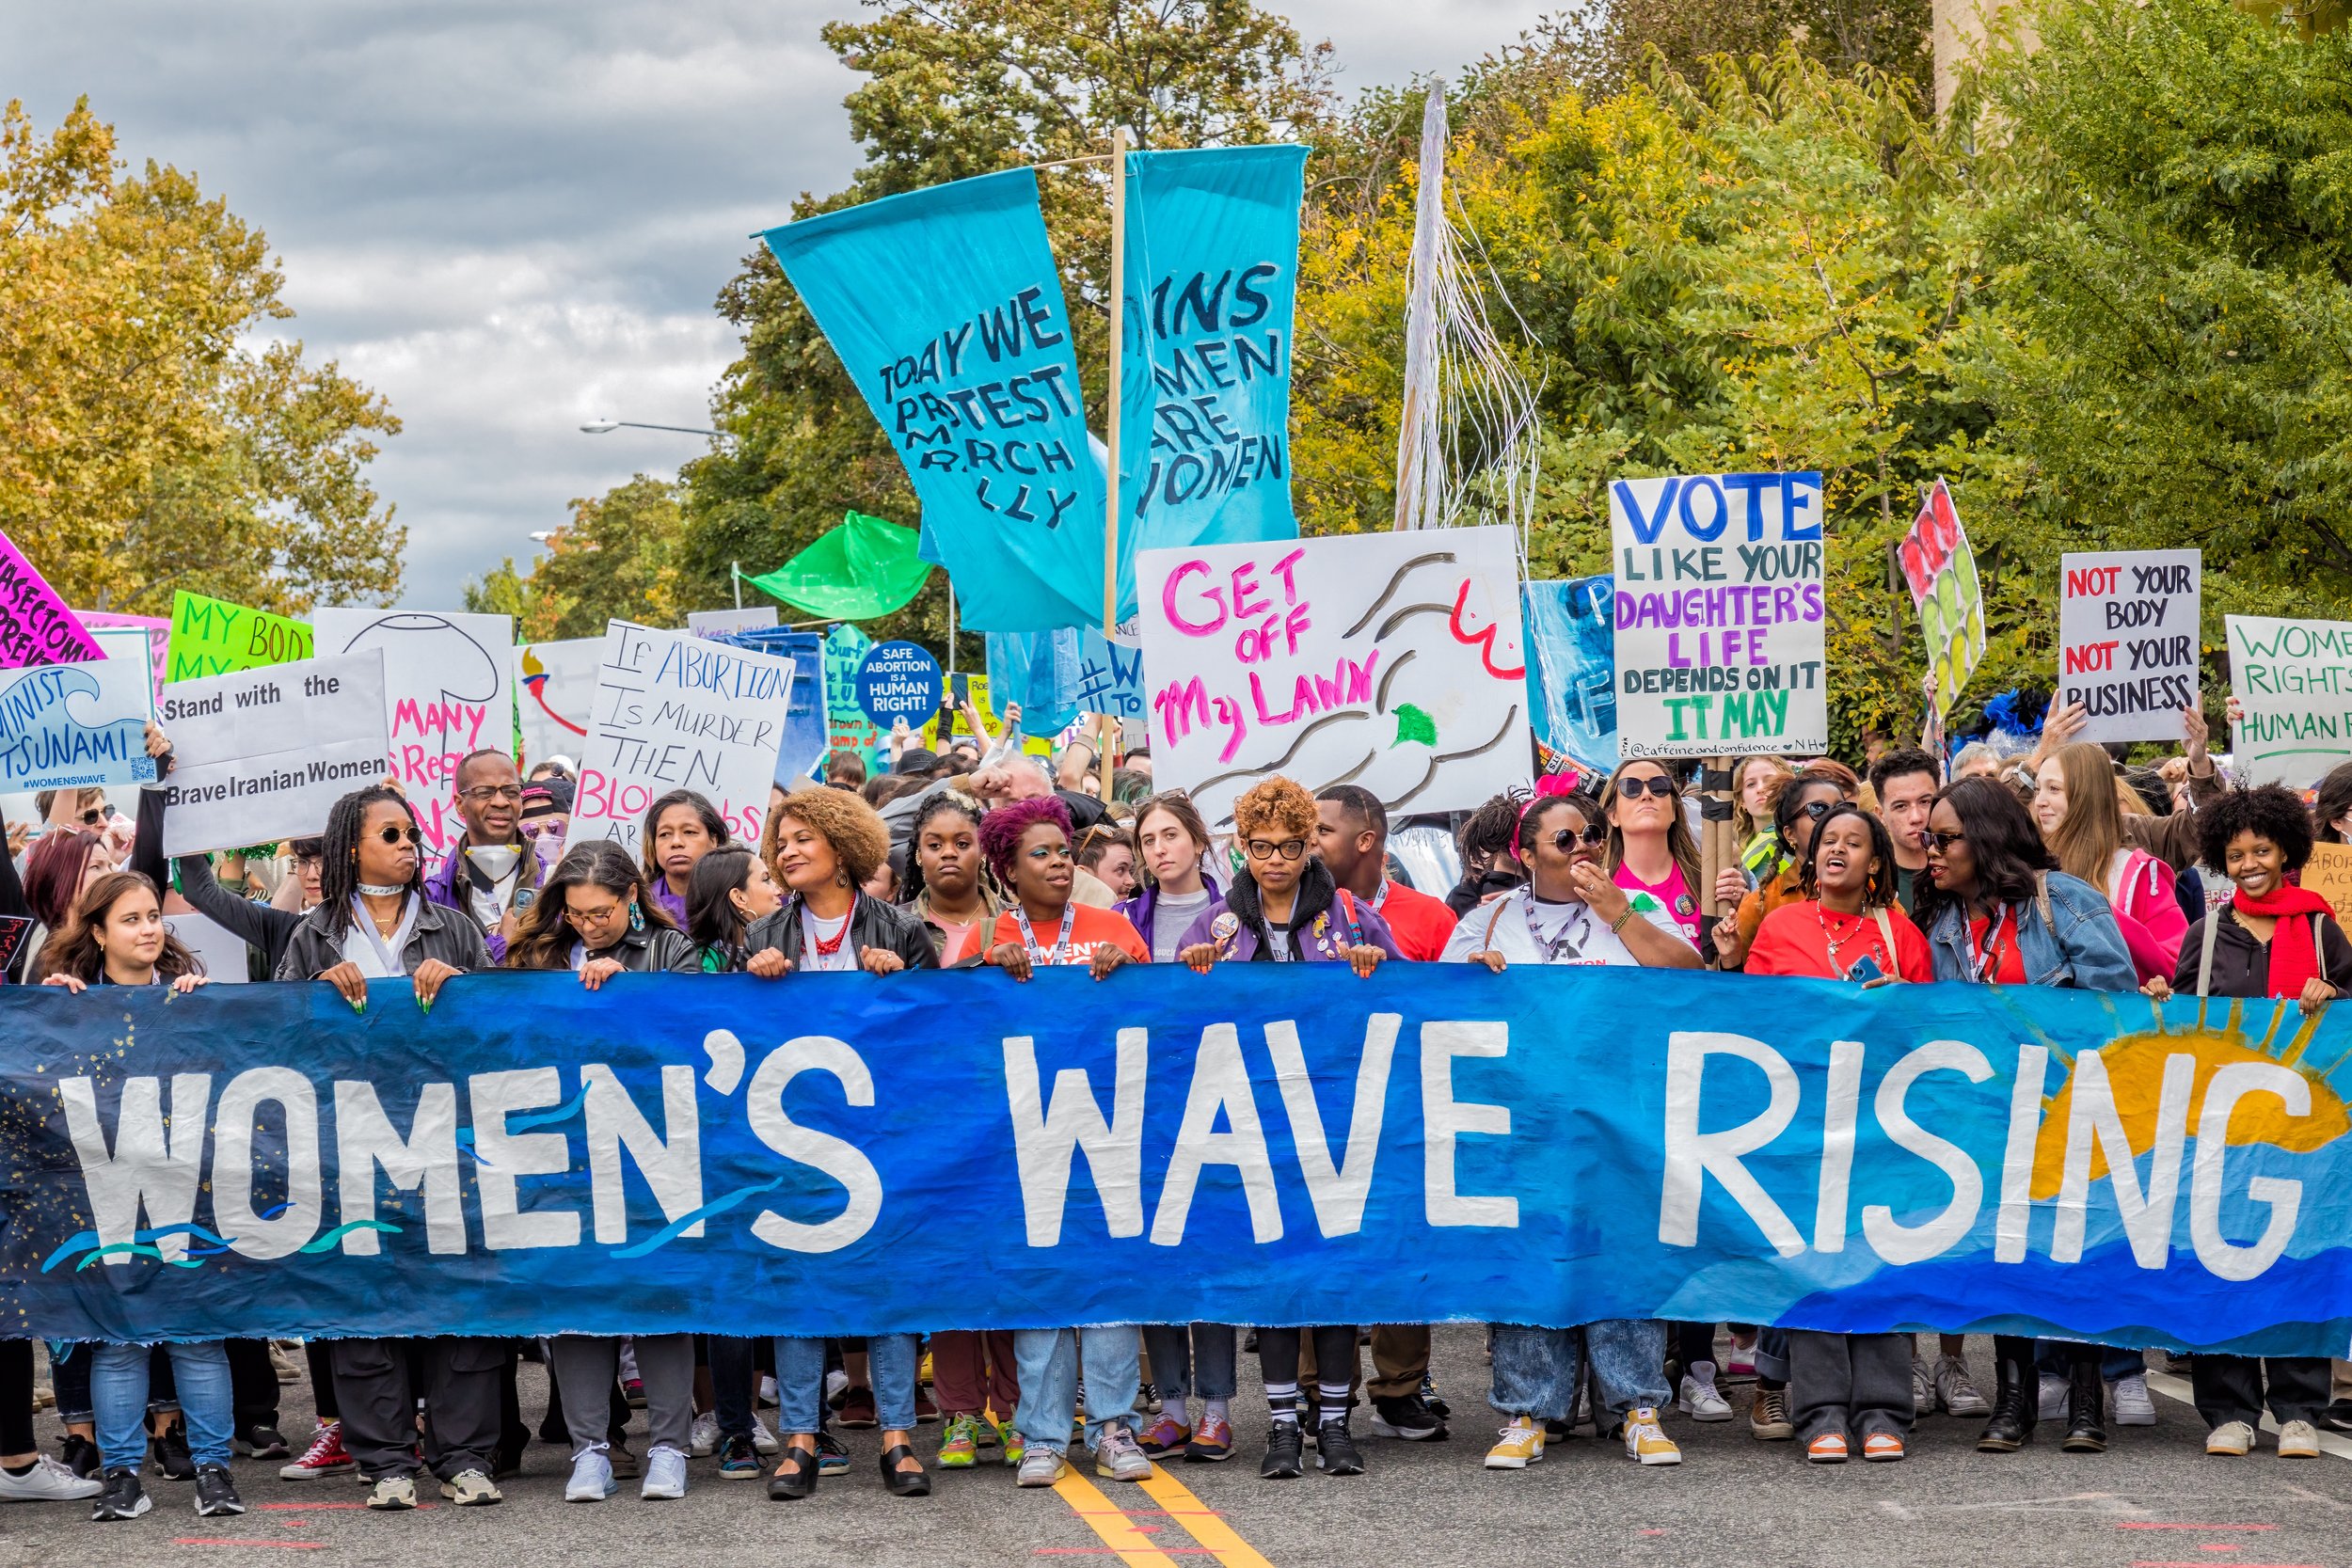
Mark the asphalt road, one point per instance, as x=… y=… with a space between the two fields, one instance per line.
x=2154 y=1500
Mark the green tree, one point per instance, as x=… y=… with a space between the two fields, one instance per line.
x=617 y=560
x=951 y=88
x=144 y=446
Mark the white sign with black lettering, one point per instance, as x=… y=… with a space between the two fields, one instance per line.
x=262 y=754
x=2128 y=648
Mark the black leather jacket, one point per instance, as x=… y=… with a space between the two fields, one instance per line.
x=439 y=933
x=873 y=923
x=655 y=950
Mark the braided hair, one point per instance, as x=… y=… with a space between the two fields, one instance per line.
x=339 y=871
x=910 y=886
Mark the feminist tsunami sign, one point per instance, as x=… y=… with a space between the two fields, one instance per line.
x=1277 y=1144
x=676 y=711
x=1719 y=614
x=1212 y=279
x=1387 y=660
x=67 y=725
x=945 y=307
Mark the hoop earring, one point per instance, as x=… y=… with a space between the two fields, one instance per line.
x=636 y=916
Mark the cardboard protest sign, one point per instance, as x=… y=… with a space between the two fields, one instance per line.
x=2128 y=647
x=1572 y=670
x=448 y=690
x=676 y=711
x=220 y=950
x=36 y=628
x=264 y=753
x=212 y=636
x=1719 y=643
x=1394 y=661
x=2328 y=873
x=2294 y=680
x=555 y=692
x=158 y=632
x=1940 y=570
x=69 y=725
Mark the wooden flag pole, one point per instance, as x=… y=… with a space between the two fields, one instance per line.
x=1111 y=403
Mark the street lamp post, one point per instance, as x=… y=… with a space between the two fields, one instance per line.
x=606 y=427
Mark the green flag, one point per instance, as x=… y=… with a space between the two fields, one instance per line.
x=213 y=637
x=864 y=568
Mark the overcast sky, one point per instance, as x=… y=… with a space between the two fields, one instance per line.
x=510 y=217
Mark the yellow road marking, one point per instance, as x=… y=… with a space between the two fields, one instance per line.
x=1118 y=1531
x=1205 y=1526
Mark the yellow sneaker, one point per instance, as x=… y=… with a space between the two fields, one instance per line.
x=1523 y=1445
x=1647 y=1442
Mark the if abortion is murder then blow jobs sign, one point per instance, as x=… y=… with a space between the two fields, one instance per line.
x=1719 y=604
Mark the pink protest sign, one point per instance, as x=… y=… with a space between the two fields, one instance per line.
x=158 y=631
x=36 y=628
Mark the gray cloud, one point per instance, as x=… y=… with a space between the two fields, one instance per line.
x=511 y=218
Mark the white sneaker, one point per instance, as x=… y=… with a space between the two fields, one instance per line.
x=764 y=1441
x=704 y=1440
x=46 y=1481
x=592 y=1478
x=2053 y=1396
x=2299 y=1440
x=2230 y=1440
x=2133 y=1407
x=665 y=1473
x=1699 y=1400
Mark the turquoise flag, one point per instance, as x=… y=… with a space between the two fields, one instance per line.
x=1211 y=277
x=946 y=309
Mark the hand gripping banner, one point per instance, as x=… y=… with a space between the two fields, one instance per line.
x=838 y=1153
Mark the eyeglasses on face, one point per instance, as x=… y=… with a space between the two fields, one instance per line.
x=484 y=794
x=1265 y=849
x=392 y=834
x=1561 y=838
x=1935 y=840
x=1634 y=787
x=1818 y=809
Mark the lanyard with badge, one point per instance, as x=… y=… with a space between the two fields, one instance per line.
x=1569 y=943
x=1061 y=943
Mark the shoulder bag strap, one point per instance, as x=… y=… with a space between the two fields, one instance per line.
x=2204 y=956
x=1492 y=920
x=1886 y=934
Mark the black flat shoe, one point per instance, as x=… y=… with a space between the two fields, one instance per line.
x=795 y=1478
x=904 y=1483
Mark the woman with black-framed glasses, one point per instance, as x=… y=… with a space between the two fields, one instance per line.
x=374 y=922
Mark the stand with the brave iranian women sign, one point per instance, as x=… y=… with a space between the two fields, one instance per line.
x=1389 y=660
x=676 y=711
x=2128 y=647
x=1719 y=605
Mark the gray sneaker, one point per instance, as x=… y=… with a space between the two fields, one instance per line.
x=1117 y=1455
x=665 y=1473
x=472 y=1489
x=1039 y=1467
x=1955 y=1390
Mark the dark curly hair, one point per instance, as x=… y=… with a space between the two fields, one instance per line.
x=2267 y=811
x=1880 y=890
x=1533 y=811
x=1002 y=828
x=1789 y=803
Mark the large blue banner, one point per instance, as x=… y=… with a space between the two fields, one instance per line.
x=829 y=1154
x=1057 y=675
x=947 y=311
x=1212 y=281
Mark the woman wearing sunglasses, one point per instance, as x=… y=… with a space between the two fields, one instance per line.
x=1802 y=802
x=1568 y=912
x=374 y=923
x=1652 y=855
x=1999 y=911
x=1844 y=925
x=1289 y=909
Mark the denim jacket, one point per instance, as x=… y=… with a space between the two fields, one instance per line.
x=2066 y=935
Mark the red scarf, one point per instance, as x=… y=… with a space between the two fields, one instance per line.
x=2294 y=962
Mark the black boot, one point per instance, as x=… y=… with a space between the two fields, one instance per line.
x=2016 y=1402
x=2086 y=1411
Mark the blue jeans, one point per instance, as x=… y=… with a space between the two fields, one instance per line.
x=1772 y=1353
x=1198 y=1360
x=1536 y=1369
x=119 y=1392
x=801 y=1381
x=1049 y=1359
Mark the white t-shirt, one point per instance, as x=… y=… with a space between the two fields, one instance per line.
x=1503 y=926
x=1172 y=914
x=816 y=929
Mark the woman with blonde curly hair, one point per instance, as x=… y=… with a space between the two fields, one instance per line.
x=822 y=844
x=1287 y=908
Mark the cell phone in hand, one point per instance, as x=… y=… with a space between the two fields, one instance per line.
x=1866 y=967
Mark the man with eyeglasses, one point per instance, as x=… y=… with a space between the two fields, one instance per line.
x=490 y=871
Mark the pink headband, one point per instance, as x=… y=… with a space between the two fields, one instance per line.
x=1547 y=784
